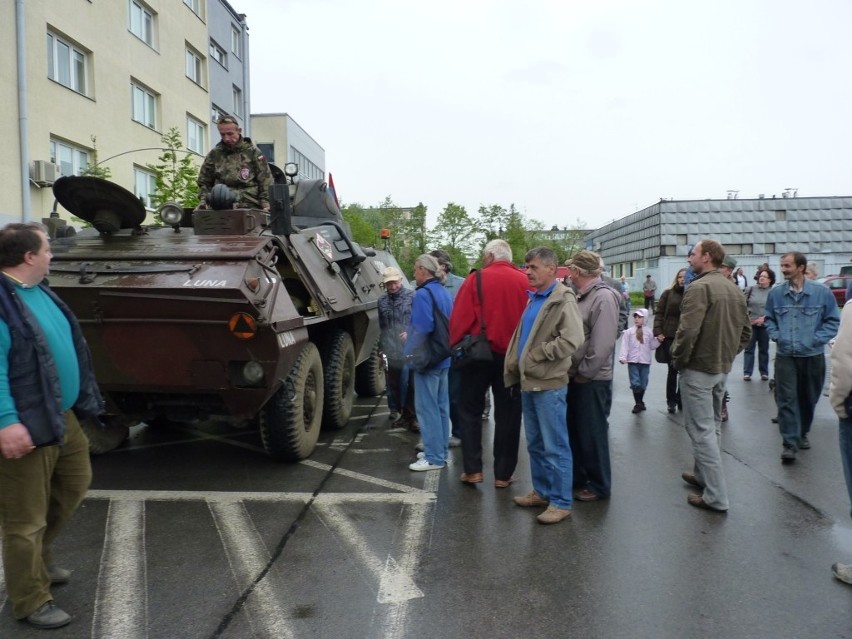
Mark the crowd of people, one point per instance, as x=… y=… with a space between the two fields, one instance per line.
x=553 y=350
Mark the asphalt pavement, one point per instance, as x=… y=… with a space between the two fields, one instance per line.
x=194 y=533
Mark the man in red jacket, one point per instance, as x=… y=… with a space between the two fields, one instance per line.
x=504 y=297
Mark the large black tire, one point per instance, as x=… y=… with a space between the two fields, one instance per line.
x=103 y=439
x=290 y=421
x=370 y=375
x=338 y=368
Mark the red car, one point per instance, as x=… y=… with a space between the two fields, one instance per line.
x=837 y=284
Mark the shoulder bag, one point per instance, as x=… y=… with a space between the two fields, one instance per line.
x=474 y=348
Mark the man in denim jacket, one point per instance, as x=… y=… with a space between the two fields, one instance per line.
x=801 y=317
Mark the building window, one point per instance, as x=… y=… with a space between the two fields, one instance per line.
x=194 y=5
x=267 y=149
x=216 y=113
x=72 y=160
x=236 y=42
x=195 y=135
x=144 y=106
x=218 y=54
x=238 y=102
x=144 y=186
x=142 y=22
x=66 y=64
x=194 y=66
x=307 y=169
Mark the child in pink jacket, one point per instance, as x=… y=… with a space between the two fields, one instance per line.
x=637 y=345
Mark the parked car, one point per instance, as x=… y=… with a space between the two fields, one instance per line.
x=837 y=284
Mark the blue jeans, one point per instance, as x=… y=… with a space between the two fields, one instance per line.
x=798 y=386
x=702 y=395
x=759 y=338
x=846 y=452
x=638 y=376
x=551 y=464
x=588 y=429
x=432 y=403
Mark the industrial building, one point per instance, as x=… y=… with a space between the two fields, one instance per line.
x=657 y=239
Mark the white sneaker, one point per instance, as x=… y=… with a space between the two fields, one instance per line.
x=421 y=455
x=423 y=464
x=843 y=572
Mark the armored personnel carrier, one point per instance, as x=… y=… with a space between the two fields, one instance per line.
x=246 y=315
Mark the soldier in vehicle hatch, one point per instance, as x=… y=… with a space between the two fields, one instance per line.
x=238 y=164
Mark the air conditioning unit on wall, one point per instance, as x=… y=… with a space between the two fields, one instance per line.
x=45 y=173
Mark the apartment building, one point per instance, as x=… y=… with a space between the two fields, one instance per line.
x=112 y=76
x=282 y=140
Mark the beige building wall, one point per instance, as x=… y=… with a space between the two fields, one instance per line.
x=115 y=57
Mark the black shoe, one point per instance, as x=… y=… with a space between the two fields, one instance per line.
x=774 y=420
x=58 y=576
x=672 y=408
x=788 y=455
x=636 y=409
x=804 y=443
x=49 y=616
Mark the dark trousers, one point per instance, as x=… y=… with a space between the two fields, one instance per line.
x=649 y=303
x=588 y=432
x=454 y=385
x=759 y=339
x=475 y=381
x=399 y=383
x=798 y=385
x=672 y=392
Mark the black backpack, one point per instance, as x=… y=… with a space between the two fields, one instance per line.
x=436 y=348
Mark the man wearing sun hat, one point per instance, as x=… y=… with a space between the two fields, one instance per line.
x=394 y=314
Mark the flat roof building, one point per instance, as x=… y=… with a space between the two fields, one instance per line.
x=657 y=239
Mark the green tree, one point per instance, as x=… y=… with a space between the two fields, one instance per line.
x=456 y=229
x=175 y=174
x=93 y=168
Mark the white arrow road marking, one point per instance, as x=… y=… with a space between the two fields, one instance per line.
x=121 y=601
x=394 y=585
x=248 y=556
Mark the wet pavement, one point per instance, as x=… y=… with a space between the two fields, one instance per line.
x=194 y=533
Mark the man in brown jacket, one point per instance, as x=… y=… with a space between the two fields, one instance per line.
x=713 y=328
x=537 y=359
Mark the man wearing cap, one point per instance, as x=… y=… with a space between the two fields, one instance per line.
x=590 y=384
x=394 y=315
x=238 y=164
x=649 y=290
x=713 y=328
x=504 y=297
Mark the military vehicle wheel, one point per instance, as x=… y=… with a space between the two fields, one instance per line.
x=338 y=367
x=370 y=375
x=290 y=421
x=109 y=437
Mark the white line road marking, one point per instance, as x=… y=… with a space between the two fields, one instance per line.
x=248 y=556
x=121 y=601
x=418 y=497
x=2 y=584
x=392 y=485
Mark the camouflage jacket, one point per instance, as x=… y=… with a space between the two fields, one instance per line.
x=242 y=168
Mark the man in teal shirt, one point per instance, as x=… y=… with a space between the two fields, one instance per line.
x=46 y=377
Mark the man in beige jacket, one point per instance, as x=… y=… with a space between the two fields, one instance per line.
x=537 y=360
x=839 y=395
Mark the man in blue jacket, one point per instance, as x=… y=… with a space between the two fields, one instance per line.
x=801 y=317
x=46 y=377
x=431 y=390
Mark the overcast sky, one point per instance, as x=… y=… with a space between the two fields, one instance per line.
x=570 y=110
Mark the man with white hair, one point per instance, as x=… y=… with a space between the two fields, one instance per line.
x=498 y=308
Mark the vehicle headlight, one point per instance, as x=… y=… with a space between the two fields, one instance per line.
x=253 y=372
x=171 y=213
